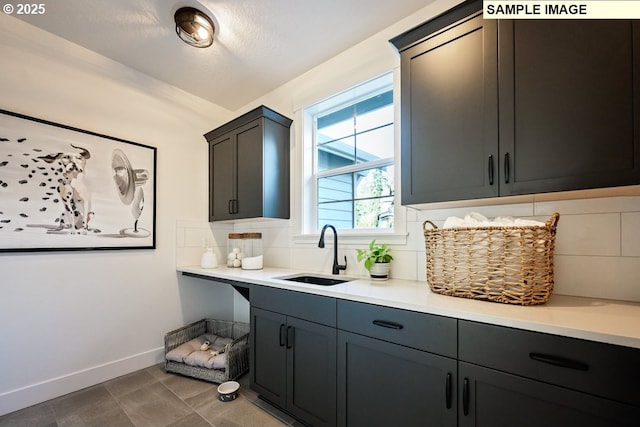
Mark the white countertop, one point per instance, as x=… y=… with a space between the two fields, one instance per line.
x=608 y=321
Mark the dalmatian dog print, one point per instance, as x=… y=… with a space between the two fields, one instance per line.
x=59 y=189
x=52 y=185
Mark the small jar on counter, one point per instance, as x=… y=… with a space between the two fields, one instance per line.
x=235 y=250
x=252 y=251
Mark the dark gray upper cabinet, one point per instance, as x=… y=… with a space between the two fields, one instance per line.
x=495 y=108
x=569 y=115
x=449 y=110
x=249 y=167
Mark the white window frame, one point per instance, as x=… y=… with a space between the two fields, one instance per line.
x=307 y=192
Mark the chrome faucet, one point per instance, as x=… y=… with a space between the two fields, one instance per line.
x=335 y=269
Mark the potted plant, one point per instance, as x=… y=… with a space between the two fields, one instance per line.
x=377 y=260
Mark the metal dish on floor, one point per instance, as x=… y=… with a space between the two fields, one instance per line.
x=228 y=391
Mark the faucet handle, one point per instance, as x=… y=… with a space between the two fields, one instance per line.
x=337 y=267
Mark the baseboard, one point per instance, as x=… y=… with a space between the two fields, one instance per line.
x=23 y=397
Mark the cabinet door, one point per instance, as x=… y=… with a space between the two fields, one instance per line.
x=311 y=372
x=222 y=182
x=384 y=384
x=268 y=355
x=249 y=170
x=450 y=114
x=489 y=398
x=568 y=105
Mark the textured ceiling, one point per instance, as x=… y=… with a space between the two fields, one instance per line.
x=259 y=44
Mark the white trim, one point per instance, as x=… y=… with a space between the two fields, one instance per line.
x=23 y=397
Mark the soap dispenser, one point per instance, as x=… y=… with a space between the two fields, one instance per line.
x=209 y=259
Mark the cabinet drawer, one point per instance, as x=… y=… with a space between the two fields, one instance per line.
x=427 y=332
x=600 y=369
x=314 y=308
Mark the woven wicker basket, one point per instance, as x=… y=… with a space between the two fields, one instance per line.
x=237 y=362
x=511 y=264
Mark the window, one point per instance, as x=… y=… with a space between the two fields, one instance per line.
x=353 y=162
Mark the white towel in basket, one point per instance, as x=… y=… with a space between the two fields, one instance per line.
x=475 y=219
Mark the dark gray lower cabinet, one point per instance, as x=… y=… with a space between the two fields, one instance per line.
x=395 y=367
x=490 y=398
x=384 y=384
x=331 y=362
x=510 y=377
x=294 y=366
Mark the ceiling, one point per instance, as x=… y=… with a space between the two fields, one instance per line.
x=259 y=44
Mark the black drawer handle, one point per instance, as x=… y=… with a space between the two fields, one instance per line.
x=559 y=361
x=388 y=324
x=447 y=388
x=465 y=396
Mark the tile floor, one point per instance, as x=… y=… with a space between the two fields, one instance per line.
x=151 y=398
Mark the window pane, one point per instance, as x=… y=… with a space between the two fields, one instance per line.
x=375 y=118
x=336 y=154
x=338 y=214
x=335 y=188
x=374 y=213
x=374 y=182
x=375 y=144
x=370 y=207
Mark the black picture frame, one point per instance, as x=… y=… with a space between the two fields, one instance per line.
x=69 y=189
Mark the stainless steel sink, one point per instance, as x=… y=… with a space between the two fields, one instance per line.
x=313 y=279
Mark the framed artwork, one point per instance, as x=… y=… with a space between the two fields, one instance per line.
x=63 y=188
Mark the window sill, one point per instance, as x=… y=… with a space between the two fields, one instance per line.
x=355 y=237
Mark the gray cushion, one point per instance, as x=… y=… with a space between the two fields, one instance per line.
x=191 y=354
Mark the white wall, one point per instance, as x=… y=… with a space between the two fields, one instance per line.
x=69 y=320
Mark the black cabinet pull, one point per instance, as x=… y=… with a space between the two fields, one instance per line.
x=506 y=168
x=289 y=337
x=282 y=335
x=559 y=361
x=447 y=388
x=491 y=169
x=388 y=324
x=465 y=396
x=233 y=206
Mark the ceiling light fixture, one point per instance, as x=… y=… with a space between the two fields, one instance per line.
x=194 y=27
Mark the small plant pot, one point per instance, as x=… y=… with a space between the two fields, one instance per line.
x=380 y=271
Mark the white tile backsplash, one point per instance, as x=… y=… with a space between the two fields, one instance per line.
x=598 y=277
x=589 y=234
x=589 y=206
x=597 y=245
x=631 y=234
